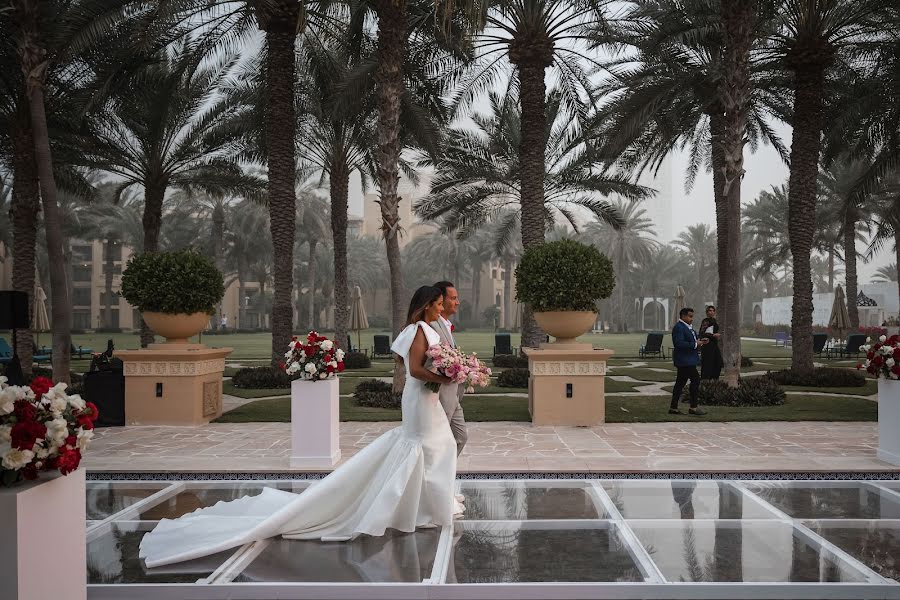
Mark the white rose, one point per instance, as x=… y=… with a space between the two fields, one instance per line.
x=58 y=403
x=323 y=375
x=310 y=367
x=57 y=431
x=289 y=354
x=339 y=354
x=84 y=438
x=293 y=368
x=302 y=355
x=3 y=380
x=4 y=433
x=42 y=452
x=890 y=362
x=16 y=459
x=6 y=407
x=77 y=402
x=882 y=339
x=327 y=345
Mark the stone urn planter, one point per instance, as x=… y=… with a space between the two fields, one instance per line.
x=315 y=427
x=889 y=420
x=566 y=325
x=176 y=328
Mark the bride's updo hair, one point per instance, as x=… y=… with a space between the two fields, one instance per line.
x=424 y=297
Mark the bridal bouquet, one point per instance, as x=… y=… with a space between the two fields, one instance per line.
x=462 y=368
x=42 y=428
x=314 y=358
x=882 y=357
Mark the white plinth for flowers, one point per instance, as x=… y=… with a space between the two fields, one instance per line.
x=43 y=546
x=315 y=424
x=889 y=420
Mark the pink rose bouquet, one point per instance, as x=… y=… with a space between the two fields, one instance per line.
x=461 y=368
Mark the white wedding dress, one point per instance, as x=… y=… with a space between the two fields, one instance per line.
x=402 y=480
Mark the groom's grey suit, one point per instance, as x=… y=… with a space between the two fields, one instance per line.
x=451 y=394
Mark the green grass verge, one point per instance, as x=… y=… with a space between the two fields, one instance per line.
x=638 y=409
x=870 y=388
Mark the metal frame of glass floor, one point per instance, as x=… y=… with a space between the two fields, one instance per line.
x=533 y=538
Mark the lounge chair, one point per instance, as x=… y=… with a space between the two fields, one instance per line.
x=782 y=339
x=851 y=348
x=653 y=346
x=351 y=348
x=6 y=354
x=76 y=352
x=503 y=345
x=819 y=341
x=382 y=346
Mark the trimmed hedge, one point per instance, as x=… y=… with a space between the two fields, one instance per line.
x=509 y=361
x=513 y=378
x=377 y=394
x=259 y=378
x=357 y=360
x=751 y=391
x=564 y=275
x=820 y=377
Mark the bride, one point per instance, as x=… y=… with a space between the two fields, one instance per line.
x=402 y=480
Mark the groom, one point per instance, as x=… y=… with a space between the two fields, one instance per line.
x=451 y=394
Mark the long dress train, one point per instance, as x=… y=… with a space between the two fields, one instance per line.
x=402 y=480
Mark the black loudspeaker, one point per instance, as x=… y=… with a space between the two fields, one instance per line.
x=14 y=310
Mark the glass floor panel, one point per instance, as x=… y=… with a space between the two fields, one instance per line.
x=683 y=500
x=875 y=544
x=196 y=496
x=393 y=558
x=519 y=500
x=105 y=499
x=112 y=557
x=832 y=500
x=717 y=551
x=503 y=554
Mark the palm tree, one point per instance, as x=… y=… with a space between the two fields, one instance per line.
x=699 y=244
x=887 y=273
x=312 y=229
x=887 y=222
x=811 y=37
x=632 y=243
x=244 y=221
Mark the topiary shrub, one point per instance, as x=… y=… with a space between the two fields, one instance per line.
x=356 y=360
x=260 y=378
x=513 y=378
x=820 y=377
x=181 y=282
x=377 y=394
x=751 y=391
x=509 y=361
x=563 y=276
x=746 y=361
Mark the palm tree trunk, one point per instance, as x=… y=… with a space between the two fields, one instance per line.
x=242 y=299
x=532 y=97
x=24 y=215
x=34 y=67
x=218 y=237
x=809 y=79
x=476 y=291
x=281 y=34
x=312 y=283
x=831 y=269
x=154 y=194
x=340 y=186
x=390 y=87
x=108 y=284
x=508 y=318
x=850 y=265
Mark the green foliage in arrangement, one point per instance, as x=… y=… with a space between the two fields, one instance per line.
x=513 y=378
x=181 y=282
x=564 y=276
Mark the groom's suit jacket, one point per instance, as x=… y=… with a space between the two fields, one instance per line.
x=450 y=394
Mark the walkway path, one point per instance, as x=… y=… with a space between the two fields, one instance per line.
x=513 y=447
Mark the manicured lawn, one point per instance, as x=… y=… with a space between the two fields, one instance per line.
x=228 y=388
x=635 y=409
x=642 y=374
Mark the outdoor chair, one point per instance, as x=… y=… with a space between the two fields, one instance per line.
x=382 y=346
x=76 y=352
x=819 y=341
x=503 y=345
x=653 y=346
x=851 y=348
x=6 y=354
x=351 y=348
x=782 y=339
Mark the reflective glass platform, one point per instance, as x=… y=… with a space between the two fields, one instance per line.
x=524 y=538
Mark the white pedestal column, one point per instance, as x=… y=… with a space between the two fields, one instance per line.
x=43 y=546
x=315 y=424
x=889 y=421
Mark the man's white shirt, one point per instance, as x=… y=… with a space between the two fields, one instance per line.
x=686 y=325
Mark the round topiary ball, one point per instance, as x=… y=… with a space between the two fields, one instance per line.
x=564 y=276
x=180 y=282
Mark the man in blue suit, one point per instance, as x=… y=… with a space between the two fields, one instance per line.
x=686 y=357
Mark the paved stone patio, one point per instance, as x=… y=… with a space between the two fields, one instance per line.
x=514 y=447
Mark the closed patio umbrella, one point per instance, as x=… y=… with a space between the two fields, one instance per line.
x=679 y=304
x=840 y=318
x=39 y=320
x=358 y=319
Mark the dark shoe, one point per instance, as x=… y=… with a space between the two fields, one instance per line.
x=675 y=411
x=698 y=412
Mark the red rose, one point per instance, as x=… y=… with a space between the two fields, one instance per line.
x=877 y=361
x=328 y=358
x=68 y=460
x=870 y=354
x=858 y=366
x=30 y=472
x=85 y=422
x=897 y=353
x=24 y=411
x=329 y=369
x=90 y=411
x=311 y=338
x=340 y=367
x=25 y=434
x=40 y=386
x=71 y=441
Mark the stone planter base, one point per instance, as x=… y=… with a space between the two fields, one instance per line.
x=315 y=424
x=566 y=386
x=43 y=548
x=889 y=421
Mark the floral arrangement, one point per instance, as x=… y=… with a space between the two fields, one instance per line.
x=882 y=357
x=464 y=369
x=42 y=428
x=314 y=358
